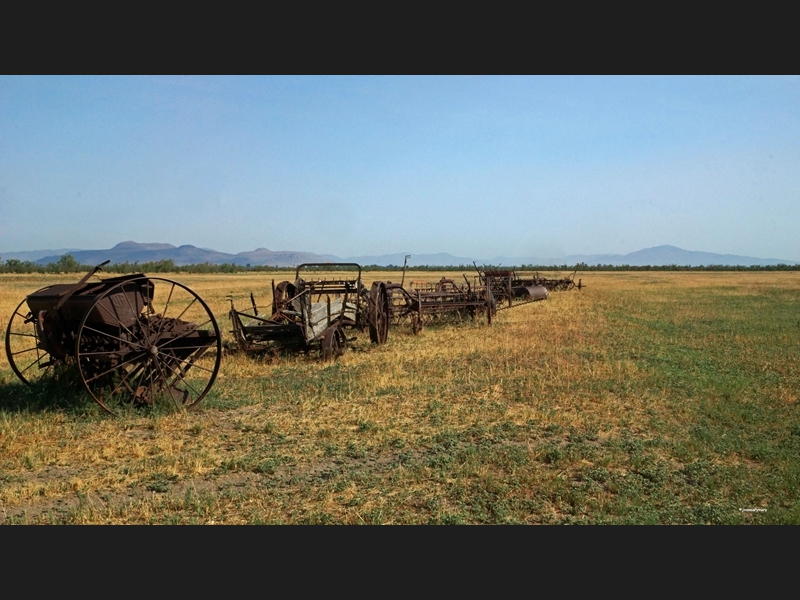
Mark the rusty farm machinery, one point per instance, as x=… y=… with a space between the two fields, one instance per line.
x=314 y=312
x=133 y=340
x=558 y=285
x=490 y=291
x=516 y=289
x=441 y=302
x=507 y=287
x=446 y=300
x=136 y=340
x=300 y=320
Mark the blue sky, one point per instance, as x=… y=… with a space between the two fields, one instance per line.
x=475 y=166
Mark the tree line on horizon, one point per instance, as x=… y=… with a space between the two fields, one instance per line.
x=68 y=264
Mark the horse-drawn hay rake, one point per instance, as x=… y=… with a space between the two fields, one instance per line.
x=133 y=340
x=441 y=302
x=558 y=285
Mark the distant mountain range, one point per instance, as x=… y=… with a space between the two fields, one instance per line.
x=182 y=255
x=657 y=256
x=186 y=255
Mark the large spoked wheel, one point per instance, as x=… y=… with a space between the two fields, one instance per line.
x=148 y=342
x=379 y=314
x=333 y=342
x=25 y=355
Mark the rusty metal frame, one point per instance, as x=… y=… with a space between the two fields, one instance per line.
x=302 y=321
x=124 y=347
x=426 y=303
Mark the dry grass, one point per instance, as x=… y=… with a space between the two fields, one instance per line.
x=646 y=397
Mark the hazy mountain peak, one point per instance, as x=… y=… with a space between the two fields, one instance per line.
x=131 y=245
x=665 y=247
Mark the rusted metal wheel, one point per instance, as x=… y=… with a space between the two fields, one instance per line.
x=166 y=352
x=333 y=343
x=379 y=313
x=282 y=293
x=491 y=306
x=24 y=352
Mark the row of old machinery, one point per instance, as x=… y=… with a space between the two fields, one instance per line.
x=136 y=340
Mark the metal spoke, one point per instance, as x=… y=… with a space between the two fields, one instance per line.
x=104 y=353
x=22 y=325
x=184 y=369
x=166 y=378
x=162 y=375
x=124 y=381
x=167 y=383
x=33 y=335
x=182 y=313
x=112 y=369
x=115 y=317
x=165 y=347
x=185 y=333
x=113 y=337
x=143 y=373
x=164 y=314
x=133 y=311
x=36 y=362
x=24 y=351
x=178 y=376
x=193 y=364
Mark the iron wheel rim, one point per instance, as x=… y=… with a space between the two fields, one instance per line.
x=380 y=314
x=22 y=349
x=150 y=368
x=333 y=343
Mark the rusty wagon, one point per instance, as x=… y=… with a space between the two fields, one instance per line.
x=133 y=340
x=314 y=312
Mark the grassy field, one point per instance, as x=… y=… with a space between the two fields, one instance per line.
x=644 y=398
